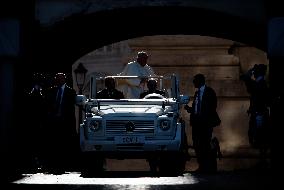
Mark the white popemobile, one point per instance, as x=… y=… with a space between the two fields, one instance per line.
x=149 y=128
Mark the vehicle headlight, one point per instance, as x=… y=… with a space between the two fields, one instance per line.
x=94 y=126
x=165 y=125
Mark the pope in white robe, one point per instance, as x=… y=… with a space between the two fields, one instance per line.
x=132 y=88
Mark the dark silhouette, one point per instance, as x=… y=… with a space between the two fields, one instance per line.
x=110 y=92
x=203 y=118
x=61 y=142
x=152 y=88
x=35 y=114
x=215 y=148
x=258 y=132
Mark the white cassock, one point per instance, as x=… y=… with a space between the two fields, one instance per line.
x=132 y=87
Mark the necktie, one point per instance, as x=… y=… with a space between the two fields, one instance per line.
x=198 y=102
x=58 y=99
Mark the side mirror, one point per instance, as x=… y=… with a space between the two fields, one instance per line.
x=184 y=99
x=81 y=100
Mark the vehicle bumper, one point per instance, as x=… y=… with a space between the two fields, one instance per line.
x=109 y=147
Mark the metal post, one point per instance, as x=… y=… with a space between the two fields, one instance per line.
x=80 y=73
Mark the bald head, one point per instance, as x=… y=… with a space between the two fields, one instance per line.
x=152 y=85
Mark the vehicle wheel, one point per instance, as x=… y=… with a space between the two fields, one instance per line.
x=92 y=165
x=153 y=165
x=173 y=164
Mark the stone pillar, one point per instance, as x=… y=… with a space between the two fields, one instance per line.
x=276 y=59
x=15 y=44
x=9 y=52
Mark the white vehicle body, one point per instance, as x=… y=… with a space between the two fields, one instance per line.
x=131 y=125
x=134 y=127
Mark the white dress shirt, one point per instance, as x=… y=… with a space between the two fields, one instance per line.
x=198 y=99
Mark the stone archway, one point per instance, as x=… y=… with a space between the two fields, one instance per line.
x=62 y=44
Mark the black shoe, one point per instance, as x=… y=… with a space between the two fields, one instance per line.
x=55 y=171
x=205 y=171
x=198 y=170
x=58 y=172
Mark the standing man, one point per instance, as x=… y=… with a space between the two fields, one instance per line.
x=132 y=88
x=260 y=101
x=152 y=88
x=110 y=92
x=62 y=136
x=35 y=113
x=203 y=118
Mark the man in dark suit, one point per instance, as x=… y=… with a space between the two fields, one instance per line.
x=62 y=138
x=203 y=118
x=259 y=109
x=152 y=88
x=109 y=92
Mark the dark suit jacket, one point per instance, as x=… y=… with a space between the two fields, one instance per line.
x=259 y=96
x=67 y=103
x=208 y=116
x=61 y=140
x=110 y=94
x=66 y=120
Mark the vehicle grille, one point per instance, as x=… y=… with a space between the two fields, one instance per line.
x=117 y=127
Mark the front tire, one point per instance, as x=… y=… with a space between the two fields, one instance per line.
x=173 y=164
x=92 y=165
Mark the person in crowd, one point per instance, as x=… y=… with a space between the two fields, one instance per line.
x=132 y=88
x=62 y=141
x=258 y=131
x=110 y=92
x=203 y=119
x=152 y=88
x=35 y=112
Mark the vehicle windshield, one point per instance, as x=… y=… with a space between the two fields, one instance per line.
x=119 y=87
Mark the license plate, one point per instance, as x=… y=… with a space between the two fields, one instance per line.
x=129 y=139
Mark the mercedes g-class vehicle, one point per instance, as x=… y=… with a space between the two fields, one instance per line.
x=150 y=128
